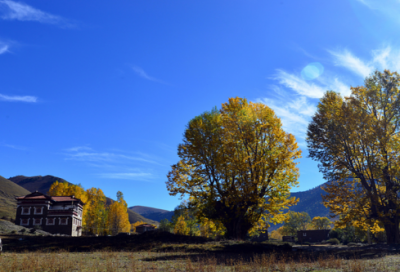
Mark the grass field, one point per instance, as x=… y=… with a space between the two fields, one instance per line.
x=178 y=261
x=169 y=252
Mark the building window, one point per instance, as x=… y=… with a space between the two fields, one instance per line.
x=304 y=234
x=63 y=221
x=24 y=222
x=37 y=221
x=38 y=210
x=50 y=221
x=26 y=210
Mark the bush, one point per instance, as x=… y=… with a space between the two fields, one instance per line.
x=23 y=230
x=333 y=241
x=13 y=232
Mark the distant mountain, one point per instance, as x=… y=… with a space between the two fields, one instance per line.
x=144 y=210
x=43 y=183
x=8 y=191
x=37 y=183
x=153 y=213
x=311 y=202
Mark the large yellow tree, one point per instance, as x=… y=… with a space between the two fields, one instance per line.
x=356 y=141
x=237 y=165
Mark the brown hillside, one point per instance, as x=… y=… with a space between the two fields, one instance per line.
x=8 y=191
x=43 y=183
x=37 y=183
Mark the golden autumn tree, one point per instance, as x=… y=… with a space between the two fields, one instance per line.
x=118 y=219
x=181 y=226
x=237 y=165
x=96 y=213
x=356 y=141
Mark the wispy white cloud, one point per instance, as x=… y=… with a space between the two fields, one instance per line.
x=16 y=98
x=367 y=3
x=383 y=58
x=140 y=72
x=114 y=165
x=12 y=10
x=15 y=147
x=3 y=48
x=346 y=59
x=294 y=114
x=299 y=85
x=105 y=157
x=78 y=148
x=128 y=176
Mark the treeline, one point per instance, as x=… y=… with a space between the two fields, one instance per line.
x=345 y=233
x=98 y=217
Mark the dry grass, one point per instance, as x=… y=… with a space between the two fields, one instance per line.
x=178 y=261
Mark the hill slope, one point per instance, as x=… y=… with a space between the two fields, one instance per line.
x=8 y=191
x=148 y=210
x=37 y=183
x=43 y=183
x=311 y=202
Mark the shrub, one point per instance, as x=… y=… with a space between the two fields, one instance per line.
x=333 y=241
x=13 y=232
x=23 y=230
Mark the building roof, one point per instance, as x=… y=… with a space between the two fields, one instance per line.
x=145 y=225
x=40 y=196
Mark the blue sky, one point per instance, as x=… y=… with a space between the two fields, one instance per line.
x=99 y=92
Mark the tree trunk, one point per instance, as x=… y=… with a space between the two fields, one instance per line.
x=392 y=232
x=237 y=229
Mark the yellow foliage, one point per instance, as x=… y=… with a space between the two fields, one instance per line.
x=118 y=219
x=96 y=218
x=237 y=165
x=181 y=227
x=356 y=141
x=275 y=235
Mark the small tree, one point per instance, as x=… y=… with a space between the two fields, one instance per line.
x=165 y=225
x=320 y=223
x=181 y=227
x=295 y=221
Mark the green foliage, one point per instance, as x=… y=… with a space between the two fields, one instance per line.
x=165 y=225
x=333 y=241
x=295 y=221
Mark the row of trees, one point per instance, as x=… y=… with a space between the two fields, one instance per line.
x=98 y=217
x=237 y=165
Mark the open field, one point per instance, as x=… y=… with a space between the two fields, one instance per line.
x=169 y=252
x=178 y=261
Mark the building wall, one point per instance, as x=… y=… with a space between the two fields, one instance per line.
x=312 y=236
x=64 y=221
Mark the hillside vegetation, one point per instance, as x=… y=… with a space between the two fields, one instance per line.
x=8 y=191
